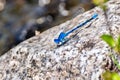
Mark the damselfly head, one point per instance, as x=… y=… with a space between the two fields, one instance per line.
x=61 y=38
x=59 y=42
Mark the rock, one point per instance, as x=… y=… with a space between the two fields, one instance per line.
x=83 y=57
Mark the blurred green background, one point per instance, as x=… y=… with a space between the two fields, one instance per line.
x=20 y=19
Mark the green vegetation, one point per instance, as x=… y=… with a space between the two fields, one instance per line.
x=115 y=45
x=108 y=39
x=100 y=3
x=110 y=76
x=115 y=61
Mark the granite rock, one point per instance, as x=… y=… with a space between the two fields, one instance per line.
x=83 y=57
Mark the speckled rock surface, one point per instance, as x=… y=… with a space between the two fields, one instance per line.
x=81 y=58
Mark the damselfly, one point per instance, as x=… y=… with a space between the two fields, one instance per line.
x=62 y=36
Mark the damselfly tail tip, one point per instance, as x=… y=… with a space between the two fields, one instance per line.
x=95 y=15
